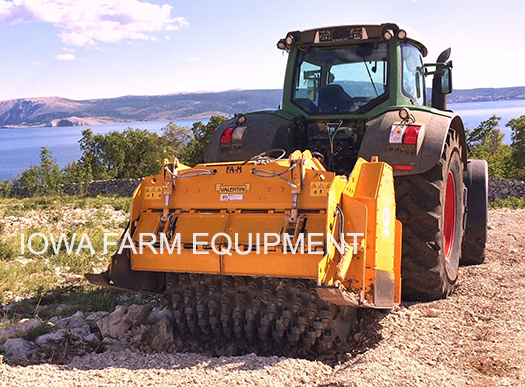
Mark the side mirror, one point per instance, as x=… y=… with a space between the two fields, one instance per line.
x=442 y=81
x=446 y=80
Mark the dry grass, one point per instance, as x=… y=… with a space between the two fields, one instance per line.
x=30 y=279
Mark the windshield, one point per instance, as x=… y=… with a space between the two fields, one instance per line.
x=340 y=80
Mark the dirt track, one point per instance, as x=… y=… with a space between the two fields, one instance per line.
x=476 y=337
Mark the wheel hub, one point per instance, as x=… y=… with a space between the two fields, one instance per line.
x=450 y=216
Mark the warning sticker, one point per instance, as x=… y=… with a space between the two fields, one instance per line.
x=231 y=197
x=319 y=189
x=153 y=193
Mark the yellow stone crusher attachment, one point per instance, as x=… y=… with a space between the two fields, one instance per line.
x=263 y=219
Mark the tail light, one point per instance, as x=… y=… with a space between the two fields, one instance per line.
x=226 y=137
x=411 y=133
x=233 y=136
x=404 y=134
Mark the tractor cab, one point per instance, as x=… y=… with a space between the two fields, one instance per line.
x=353 y=70
x=340 y=83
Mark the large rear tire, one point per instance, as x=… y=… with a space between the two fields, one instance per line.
x=431 y=208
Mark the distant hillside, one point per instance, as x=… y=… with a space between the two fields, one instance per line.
x=55 y=111
x=481 y=95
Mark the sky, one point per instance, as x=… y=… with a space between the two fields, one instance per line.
x=84 y=49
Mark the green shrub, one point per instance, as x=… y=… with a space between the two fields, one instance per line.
x=89 y=298
x=42 y=179
x=486 y=142
x=193 y=153
x=510 y=202
x=6 y=188
x=517 y=127
x=8 y=251
x=117 y=155
x=40 y=330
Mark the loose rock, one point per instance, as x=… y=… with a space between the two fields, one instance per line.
x=18 y=351
x=19 y=329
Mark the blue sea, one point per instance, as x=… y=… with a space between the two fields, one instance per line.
x=19 y=148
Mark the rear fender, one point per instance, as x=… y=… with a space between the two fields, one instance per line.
x=407 y=160
x=261 y=132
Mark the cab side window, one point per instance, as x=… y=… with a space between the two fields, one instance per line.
x=413 y=80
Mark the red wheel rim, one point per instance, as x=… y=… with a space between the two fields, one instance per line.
x=450 y=215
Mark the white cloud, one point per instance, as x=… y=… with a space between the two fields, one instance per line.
x=86 y=22
x=65 y=57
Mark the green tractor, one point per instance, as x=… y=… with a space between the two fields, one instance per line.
x=361 y=91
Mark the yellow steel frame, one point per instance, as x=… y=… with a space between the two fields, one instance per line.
x=296 y=197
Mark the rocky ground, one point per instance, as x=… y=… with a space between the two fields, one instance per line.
x=476 y=337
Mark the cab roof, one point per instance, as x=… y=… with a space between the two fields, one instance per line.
x=342 y=34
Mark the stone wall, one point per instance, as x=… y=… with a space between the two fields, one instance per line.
x=123 y=187
x=498 y=188
x=503 y=188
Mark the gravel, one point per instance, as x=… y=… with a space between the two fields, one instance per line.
x=475 y=337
